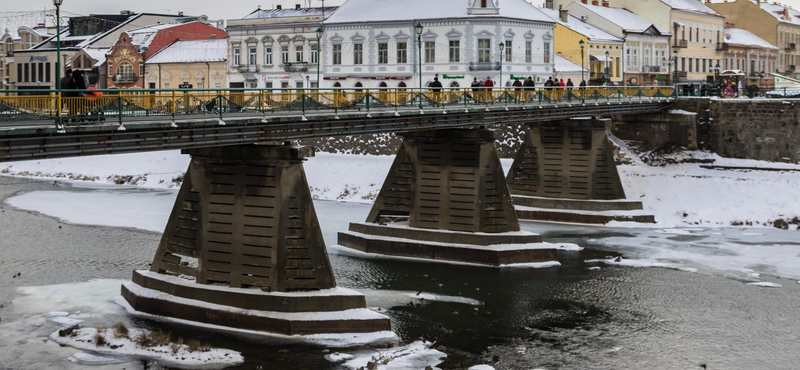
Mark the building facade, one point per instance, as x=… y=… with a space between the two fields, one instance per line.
x=778 y=25
x=754 y=56
x=646 y=52
x=275 y=48
x=198 y=64
x=697 y=30
x=373 y=47
x=570 y=31
x=14 y=71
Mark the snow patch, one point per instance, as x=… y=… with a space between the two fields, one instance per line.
x=640 y=263
x=481 y=367
x=765 y=284
x=64 y=321
x=338 y=357
x=83 y=358
x=417 y=355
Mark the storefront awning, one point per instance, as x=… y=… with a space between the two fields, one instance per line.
x=601 y=58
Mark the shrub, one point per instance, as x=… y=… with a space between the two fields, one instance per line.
x=120 y=331
x=100 y=340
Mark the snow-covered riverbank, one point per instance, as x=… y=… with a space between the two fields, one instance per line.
x=682 y=194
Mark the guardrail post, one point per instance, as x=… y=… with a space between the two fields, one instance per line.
x=336 y=103
x=466 y=108
x=174 y=103
x=369 y=115
x=60 y=119
x=396 y=103
x=119 y=112
x=608 y=94
x=303 y=103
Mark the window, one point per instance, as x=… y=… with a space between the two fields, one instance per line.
x=358 y=53
x=628 y=58
x=383 y=53
x=547 y=52
x=251 y=56
x=33 y=72
x=528 y=51
x=314 y=53
x=484 y=50
x=616 y=67
x=717 y=36
x=337 y=54
x=141 y=69
x=697 y=34
x=268 y=55
x=636 y=58
x=402 y=52
x=19 y=72
x=27 y=72
x=683 y=33
x=125 y=72
x=683 y=64
x=455 y=51
x=284 y=54
x=430 y=52
x=237 y=57
x=690 y=33
x=110 y=69
x=509 y=52
x=298 y=53
x=697 y=65
x=646 y=57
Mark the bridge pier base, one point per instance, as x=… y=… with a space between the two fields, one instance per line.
x=446 y=198
x=243 y=251
x=565 y=172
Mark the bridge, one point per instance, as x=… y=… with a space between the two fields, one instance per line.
x=243 y=248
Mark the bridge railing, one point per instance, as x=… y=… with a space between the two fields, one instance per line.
x=73 y=107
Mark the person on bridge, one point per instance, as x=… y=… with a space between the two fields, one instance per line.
x=475 y=86
x=549 y=82
x=489 y=85
x=517 y=89
x=570 y=85
x=528 y=86
x=436 y=87
x=562 y=84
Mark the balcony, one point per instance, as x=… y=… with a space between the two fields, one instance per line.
x=790 y=47
x=722 y=47
x=680 y=44
x=481 y=66
x=125 y=79
x=295 y=67
x=683 y=74
x=651 y=69
x=247 y=69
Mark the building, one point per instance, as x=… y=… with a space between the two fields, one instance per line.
x=126 y=60
x=778 y=25
x=697 y=31
x=567 y=69
x=646 y=54
x=96 y=31
x=199 y=64
x=274 y=48
x=22 y=38
x=754 y=56
x=375 y=45
x=570 y=31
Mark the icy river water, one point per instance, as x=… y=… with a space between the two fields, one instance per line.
x=680 y=298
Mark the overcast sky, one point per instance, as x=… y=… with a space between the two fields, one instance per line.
x=214 y=9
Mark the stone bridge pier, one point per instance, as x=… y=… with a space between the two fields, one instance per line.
x=243 y=250
x=446 y=198
x=565 y=172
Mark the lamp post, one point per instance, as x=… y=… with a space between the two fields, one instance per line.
x=418 y=28
x=716 y=77
x=320 y=31
x=581 y=43
x=675 y=75
x=57 y=3
x=608 y=79
x=502 y=46
x=143 y=49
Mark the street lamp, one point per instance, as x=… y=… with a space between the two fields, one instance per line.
x=675 y=76
x=502 y=46
x=608 y=80
x=418 y=28
x=57 y=3
x=143 y=49
x=581 y=43
x=320 y=31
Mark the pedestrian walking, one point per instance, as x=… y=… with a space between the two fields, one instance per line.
x=528 y=86
x=517 y=89
x=436 y=87
x=489 y=85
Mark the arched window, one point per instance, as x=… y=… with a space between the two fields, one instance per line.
x=125 y=72
x=383 y=84
x=337 y=85
x=358 y=86
x=454 y=84
x=402 y=86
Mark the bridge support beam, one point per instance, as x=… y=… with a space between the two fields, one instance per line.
x=243 y=250
x=446 y=198
x=565 y=172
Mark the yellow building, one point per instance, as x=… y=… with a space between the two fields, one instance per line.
x=698 y=31
x=570 y=30
x=198 y=64
x=32 y=73
x=779 y=25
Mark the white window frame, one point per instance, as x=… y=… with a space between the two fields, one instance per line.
x=484 y=50
x=430 y=51
x=509 y=51
x=237 y=57
x=383 y=53
x=268 y=55
x=358 y=53
x=337 y=54
x=402 y=52
x=455 y=51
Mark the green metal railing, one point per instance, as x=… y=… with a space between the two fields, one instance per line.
x=71 y=107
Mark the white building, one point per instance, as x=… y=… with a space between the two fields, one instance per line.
x=275 y=48
x=373 y=43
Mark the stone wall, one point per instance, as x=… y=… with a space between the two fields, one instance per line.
x=658 y=129
x=765 y=129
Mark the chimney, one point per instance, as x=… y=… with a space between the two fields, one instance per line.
x=786 y=15
x=278 y=7
x=563 y=14
x=595 y=2
x=180 y=14
x=548 y=4
x=41 y=25
x=297 y=6
x=585 y=1
x=605 y=3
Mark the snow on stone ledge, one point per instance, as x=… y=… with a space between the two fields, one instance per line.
x=417 y=355
x=619 y=261
x=765 y=284
x=125 y=347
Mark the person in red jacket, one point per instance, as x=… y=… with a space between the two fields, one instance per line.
x=562 y=84
x=489 y=84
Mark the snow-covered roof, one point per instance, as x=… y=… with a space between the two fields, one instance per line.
x=285 y=13
x=581 y=27
x=10 y=34
x=693 y=6
x=623 y=18
x=192 y=51
x=738 y=36
x=99 y=55
x=41 y=31
x=144 y=36
x=564 y=65
x=355 y=11
x=777 y=11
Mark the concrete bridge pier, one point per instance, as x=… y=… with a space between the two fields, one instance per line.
x=565 y=172
x=446 y=198
x=243 y=251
